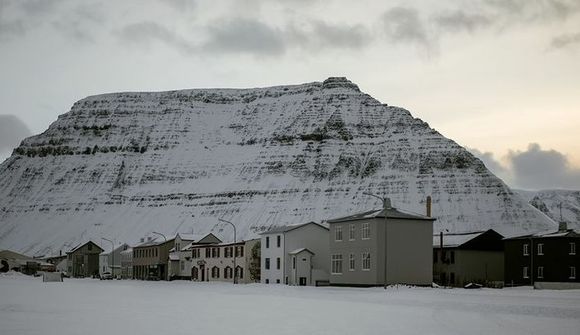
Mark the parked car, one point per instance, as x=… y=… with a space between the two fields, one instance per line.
x=106 y=276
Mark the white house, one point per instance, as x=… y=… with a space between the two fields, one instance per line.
x=215 y=262
x=180 y=255
x=111 y=262
x=295 y=255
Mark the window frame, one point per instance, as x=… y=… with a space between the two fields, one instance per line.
x=572 y=248
x=526 y=249
x=366 y=257
x=525 y=272
x=351 y=232
x=365 y=231
x=540 y=249
x=336 y=264
x=351 y=262
x=338 y=233
x=540 y=274
x=572 y=273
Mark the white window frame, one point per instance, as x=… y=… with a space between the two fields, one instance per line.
x=540 y=272
x=572 y=248
x=336 y=264
x=351 y=232
x=365 y=231
x=366 y=261
x=351 y=263
x=338 y=233
x=572 y=272
x=526 y=272
x=540 y=249
x=526 y=249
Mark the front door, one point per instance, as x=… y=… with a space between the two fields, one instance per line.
x=302 y=281
x=202 y=270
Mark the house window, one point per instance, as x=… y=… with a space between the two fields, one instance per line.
x=540 y=272
x=215 y=272
x=572 y=272
x=293 y=262
x=277 y=281
x=267 y=281
x=338 y=233
x=366 y=261
x=267 y=241
x=227 y=272
x=452 y=257
x=351 y=230
x=90 y=247
x=207 y=253
x=540 y=249
x=336 y=264
x=194 y=273
x=241 y=251
x=526 y=249
x=526 y=272
x=267 y=264
x=351 y=263
x=572 y=248
x=278 y=263
x=239 y=272
x=278 y=241
x=365 y=232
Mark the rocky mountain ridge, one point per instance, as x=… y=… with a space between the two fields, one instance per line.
x=123 y=165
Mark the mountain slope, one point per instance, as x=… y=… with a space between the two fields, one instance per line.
x=550 y=202
x=122 y=165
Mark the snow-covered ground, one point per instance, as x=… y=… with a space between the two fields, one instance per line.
x=87 y=306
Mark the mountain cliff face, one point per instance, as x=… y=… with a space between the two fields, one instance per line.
x=559 y=205
x=123 y=165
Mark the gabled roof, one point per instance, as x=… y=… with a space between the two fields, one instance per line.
x=80 y=245
x=391 y=213
x=477 y=240
x=284 y=229
x=297 y=251
x=8 y=254
x=107 y=250
x=548 y=234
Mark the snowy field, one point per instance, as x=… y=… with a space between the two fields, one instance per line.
x=88 y=306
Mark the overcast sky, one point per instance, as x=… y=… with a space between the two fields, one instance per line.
x=501 y=77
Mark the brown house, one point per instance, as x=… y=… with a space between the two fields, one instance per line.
x=548 y=259
x=83 y=260
x=474 y=257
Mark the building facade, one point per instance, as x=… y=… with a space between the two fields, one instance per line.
x=358 y=256
x=475 y=257
x=83 y=260
x=215 y=262
x=180 y=256
x=295 y=255
x=543 y=258
x=110 y=262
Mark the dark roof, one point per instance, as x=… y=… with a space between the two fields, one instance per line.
x=80 y=245
x=548 y=234
x=478 y=240
x=283 y=229
x=391 y=213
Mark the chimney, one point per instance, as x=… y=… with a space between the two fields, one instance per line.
x=562 y=227
x=428 y=206
x=387 y=203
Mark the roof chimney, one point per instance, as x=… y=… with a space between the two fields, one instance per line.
x=562 y=227
x=428 y=206
x=387 y=203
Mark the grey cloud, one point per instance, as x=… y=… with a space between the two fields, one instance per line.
x=319 y=35
x=81 y=23
x=461 y=21
x=565 y=40
x=147 y=32
x=11 y=29
x=180 y=5
x=12 y=131
x=245 y=36
x=492 y=164
x=543 y=169
x=404 y=25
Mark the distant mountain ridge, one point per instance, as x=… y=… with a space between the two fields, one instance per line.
x=122 y=165
x=559 y=205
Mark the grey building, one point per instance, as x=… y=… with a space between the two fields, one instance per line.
x=295 y=255
x=83 y=260
x=358 y=256
x=473 y=257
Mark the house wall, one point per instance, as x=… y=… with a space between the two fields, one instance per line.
x=84 y=261
x=477 y=266
x=556 y=260
x=409 y=253
x=272 y=252
x=243 y=261
x=301 y=267
x=314 y=238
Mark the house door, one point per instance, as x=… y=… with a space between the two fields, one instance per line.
x=302 y=281
x=202 y=270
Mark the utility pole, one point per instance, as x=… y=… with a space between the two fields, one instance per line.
x=386 y=205
x=165 y=241
x=235 y=248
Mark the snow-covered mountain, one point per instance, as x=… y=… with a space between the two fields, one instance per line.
x=550 y=201
x=125 y=164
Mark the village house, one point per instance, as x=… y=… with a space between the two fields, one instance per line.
x=474 y=257
x=180 y=255
x=543 y=260
x=110 y=262
x=295 y=255
x=358 y=255
x=10 y=260
x=83 y=260
x=216 y=262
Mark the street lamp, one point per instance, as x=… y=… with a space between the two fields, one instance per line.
x=235 y=247
x=165 y=241
x=386 y=204
x=112 y=255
